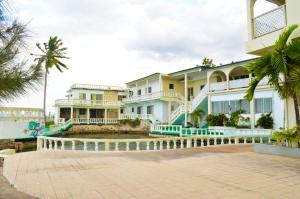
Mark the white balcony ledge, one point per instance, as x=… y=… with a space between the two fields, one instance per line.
x=152 y=96
x=77 y=102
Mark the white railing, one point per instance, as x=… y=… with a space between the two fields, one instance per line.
x=179 y=110
x=25 y=114
x=95 y=121
x=97 y=87
x=239 y=83
x=200 y=97
x=166 y=128
x=218 y=86
x=134 y=116
x=155 y=95
x=270 y=21
x=72 y=102
x=153 y=144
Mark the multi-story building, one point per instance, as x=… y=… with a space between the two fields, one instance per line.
x=171 y=98
x=264 y=29
x=90 y=104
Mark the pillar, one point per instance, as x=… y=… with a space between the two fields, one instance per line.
x=88 y=115
x=209 y=104
x=119 y=113
x=105 y=116
x=252 y=113
x=147 y=87
x=169 y=111
x=227 y=81
x=71 y=116
x=185 y=99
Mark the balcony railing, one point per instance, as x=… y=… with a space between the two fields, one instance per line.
x=218 y=86
x=134 y=116
x=269 y=21
x=77 y=102
x=155 y=95
x=239 y=83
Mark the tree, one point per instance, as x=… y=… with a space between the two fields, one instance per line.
x=198 y=116
x=51 y=55
x=208 y=62
x=15 y=77
x=281 y=66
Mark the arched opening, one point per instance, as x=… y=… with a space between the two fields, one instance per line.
x=269 y=16
x=218 y=81
x=238 y=78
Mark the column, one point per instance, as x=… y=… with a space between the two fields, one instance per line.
x=147 y=86
x=227 y=81
x=185 y=98
x=252 y=113
x=160 y=83
x=209 y=104
x=169 y=111
x=71 y=116
x=105 y=116
x=88 y=115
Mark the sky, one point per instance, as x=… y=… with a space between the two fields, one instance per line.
x=111 y=42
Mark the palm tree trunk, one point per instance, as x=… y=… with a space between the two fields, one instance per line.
x=296 y=106
x=45 y=94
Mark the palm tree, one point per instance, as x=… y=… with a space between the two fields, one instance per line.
x=198 y=116
x=281 y=66
x=52 y=54
x=15 y=77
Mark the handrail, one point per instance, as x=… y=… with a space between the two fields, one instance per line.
x=198 y=99
x=87 y=102
x=153 y=95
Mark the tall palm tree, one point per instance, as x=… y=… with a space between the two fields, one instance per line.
x=281 y=66
x=51 y=55
x=15 y=77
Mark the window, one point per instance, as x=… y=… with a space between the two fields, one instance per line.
x=82 y=96
x=220 y=107
x=121 y=111
x=139 y=110
x=82 y=111
x=263 y=105
x=131 y=93
x=171 y=86
x=190 y=93
x=139 y=92
x=150 y=109
x=120 y=97
x=231 y=106
x=97 y=97
x=149 y=89
x=132 y=109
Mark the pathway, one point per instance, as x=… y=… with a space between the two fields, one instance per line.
x=207 y=172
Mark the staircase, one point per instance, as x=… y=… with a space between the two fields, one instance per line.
x=58 y=129
x=200 y=101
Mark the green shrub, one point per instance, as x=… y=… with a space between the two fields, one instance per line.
x=133 y=123
x=290 y=136
x=216 y=119
x=265 y=121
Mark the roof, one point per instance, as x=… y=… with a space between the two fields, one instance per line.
x=97 y=87
x=148 y=76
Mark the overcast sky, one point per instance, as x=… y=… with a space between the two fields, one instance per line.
x=111 y=42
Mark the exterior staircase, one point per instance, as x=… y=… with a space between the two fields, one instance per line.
x=200 y=101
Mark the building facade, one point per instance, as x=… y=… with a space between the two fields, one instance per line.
x=90 y=104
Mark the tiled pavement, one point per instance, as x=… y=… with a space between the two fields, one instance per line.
x=212 y=172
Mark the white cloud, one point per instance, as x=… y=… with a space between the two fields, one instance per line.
x=115 y=41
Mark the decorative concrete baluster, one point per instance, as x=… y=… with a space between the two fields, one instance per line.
x=222 y=141
x=62 y=145
x=202 y=142
x=181 y=144
x=50 y=144
x=208 y=141
x=188 y=143
x=245 y=140
x=148 y=146
x=236 y=140
x=55 y=144
x=85 y=146
x=155 y=146
x=168 y=144
x=117 y=146
x=229 y=140
x=106 y=146
x=45 y=143
x=161 y=147
x=269 y=140
x=195 y=142
x=96 y=146
x=127 y=146
x=73 y=145
x=253 y=140
x=215 y=141
x=137 y=146
x=174 y=144
x=261 y=140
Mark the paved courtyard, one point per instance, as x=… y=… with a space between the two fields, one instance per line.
x=212 y=172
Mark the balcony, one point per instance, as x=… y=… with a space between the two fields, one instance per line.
x=134 y=116
x=218 y=86
x=239 y=83
x=78 y=102
x=153 y=96
x=270 y=21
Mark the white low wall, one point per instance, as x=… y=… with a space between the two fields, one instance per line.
x=13 y=129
